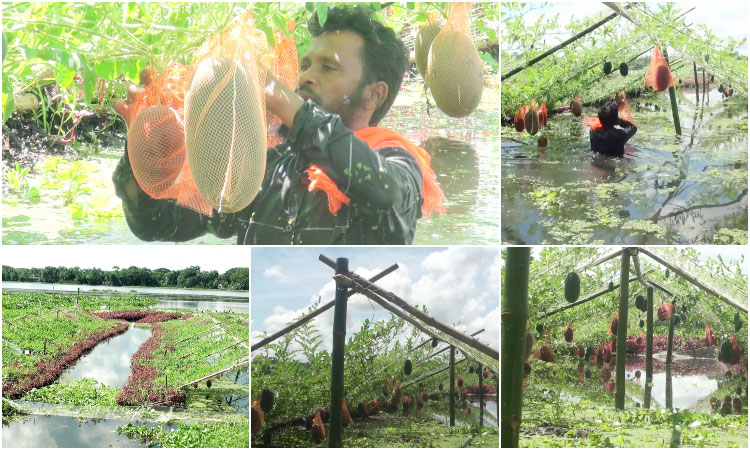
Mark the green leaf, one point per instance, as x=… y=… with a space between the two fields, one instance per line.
x=322 y=9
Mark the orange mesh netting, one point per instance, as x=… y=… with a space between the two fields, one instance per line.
x=623 y=110
x=284 y=64
x=659 y=77
x=378 y=138
x=198 y=133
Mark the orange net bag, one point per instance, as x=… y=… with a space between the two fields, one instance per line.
x=198 y=134
x=455 y=73
x=659 y=77
x=284 y=64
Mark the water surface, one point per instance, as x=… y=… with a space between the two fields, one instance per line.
x=109 y=362
x=59 y=431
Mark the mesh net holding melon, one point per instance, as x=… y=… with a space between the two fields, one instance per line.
x=455 y=73
x=659 y=77
x=198 y=134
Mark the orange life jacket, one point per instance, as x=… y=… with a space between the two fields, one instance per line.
x=378 y=138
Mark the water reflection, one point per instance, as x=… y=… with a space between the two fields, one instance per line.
x=109 y=362
x=457 y=167
x=693 y=379
x=57 y=431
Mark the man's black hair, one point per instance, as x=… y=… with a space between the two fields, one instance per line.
x=608 y=114
x=384 y=55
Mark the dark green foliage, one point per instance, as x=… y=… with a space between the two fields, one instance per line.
x=572 y=287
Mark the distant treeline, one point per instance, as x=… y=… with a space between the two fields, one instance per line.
x=191 y=277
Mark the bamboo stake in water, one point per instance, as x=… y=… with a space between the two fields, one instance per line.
x=622 y=329
x=649 y=346
x=669 y=361
x=452 y=390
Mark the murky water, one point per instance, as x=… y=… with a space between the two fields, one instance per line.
x=193 y=299
x=109 y=362
x=57 y=431
x=465 y=154
x=440 y=411
x=667 y=189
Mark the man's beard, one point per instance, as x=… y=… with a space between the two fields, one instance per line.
x=346 y=107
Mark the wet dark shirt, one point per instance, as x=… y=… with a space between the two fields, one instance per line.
x=384 y=186
x=611 y=141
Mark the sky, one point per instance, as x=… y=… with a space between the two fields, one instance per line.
x=459 y=286
x=725 y=19
x=208 y=257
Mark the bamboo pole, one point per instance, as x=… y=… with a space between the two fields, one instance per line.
x=622 y=329
x=452 y=391
x=649 y=346
x=584 y=300
x=559 y=46
x=442 y=350
x=481 y=398
x=704 y=81
x=673 y=101
x=315 y=313
x=337 y=356
x=600 y=260
x=697 y=94
x=515 y=312
x=669 y=361
x=241 y=363
x=432 y=374
x=693 y=280
x=370 y=289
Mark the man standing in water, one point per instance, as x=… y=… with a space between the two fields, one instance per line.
x=608 y=140
x=370 y=185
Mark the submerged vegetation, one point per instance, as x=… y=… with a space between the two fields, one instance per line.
x=683 y=177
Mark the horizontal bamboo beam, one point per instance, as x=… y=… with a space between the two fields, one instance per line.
x=557 y=47
x=583 y=300
x=241 y=363
x=443 y=350
x=369 y=289
x=315 y=313
x=693 y=280
x=596 y=262
x=439 y=371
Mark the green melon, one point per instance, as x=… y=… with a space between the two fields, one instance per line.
x=607 y=67
x=623 y=69
x=266 y=400
x=422 y=43
x=572 y=287
x=407 y=367
x=455 y=73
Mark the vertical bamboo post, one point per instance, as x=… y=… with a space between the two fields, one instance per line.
x=673 y=101
x=481 y=398
x=453 y=386
x=669 y=362
x=649 y=346
x=704 y=81
x=697 y=96
x=337 y=355
x=515 y=311
x=622 y=328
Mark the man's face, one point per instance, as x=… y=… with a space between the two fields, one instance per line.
x=331 y=72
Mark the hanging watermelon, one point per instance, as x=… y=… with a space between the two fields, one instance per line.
x=737 y=322
x=623 y=69
x=266 y=400
x=640 y=303
x=607 y=67
x=572 y=287
x=407 y=367
x=640 y=324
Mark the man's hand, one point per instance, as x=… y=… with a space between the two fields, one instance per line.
x=281 y=100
